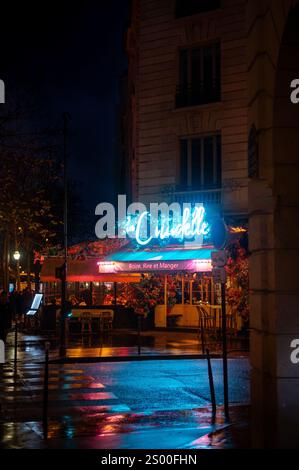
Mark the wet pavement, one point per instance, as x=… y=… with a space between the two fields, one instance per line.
x=124 y=343
x=123 y=405
x=190 y=429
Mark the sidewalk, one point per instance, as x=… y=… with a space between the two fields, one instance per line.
x=190 y=429
x=123 y=345
x=133 y=405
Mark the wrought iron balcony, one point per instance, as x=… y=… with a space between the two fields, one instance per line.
x=207 y=196
x=194 y=7
x=197 y=94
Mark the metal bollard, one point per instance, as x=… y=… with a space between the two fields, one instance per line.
x=46 y=388
x=212 y=388
x=202 y=336
x=224 y=352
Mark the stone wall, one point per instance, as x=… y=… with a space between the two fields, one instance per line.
x=273 y=58
x=160 y=125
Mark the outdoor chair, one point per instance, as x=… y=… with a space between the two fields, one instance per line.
x=86 y=323
x=232 y=321
x=206 y=317
x=106 y=321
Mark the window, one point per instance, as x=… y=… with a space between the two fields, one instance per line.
x=199 y=76
x=193 y=7
x=200 y=163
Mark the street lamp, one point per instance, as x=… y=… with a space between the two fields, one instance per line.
x=62 y=348
x=17 y=256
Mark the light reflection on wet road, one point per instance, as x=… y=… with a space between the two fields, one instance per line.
x=117 y=404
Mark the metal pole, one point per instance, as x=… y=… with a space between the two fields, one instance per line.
x=16 y=346
x=5 y=262
x=115 y=293
x=37 y=268
x=202 y=336
x=62 y=349
x=139 y=333
x=18 y=282
x=46 y=388
x=191 y=292
x=211 y=382
x=18 y=277
x=224 y=352
x=165 y=300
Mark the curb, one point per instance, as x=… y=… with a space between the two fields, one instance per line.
x=84 y=360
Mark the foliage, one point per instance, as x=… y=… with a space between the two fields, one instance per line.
x=31 y=180
x=26 y=211
x=237 y=270
x=146 y=295
x=28 y=175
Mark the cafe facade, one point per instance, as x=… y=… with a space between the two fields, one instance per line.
x=168 y=281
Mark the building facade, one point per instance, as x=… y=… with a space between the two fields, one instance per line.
x=187 y=85
x=272 y=64
x=212 y=121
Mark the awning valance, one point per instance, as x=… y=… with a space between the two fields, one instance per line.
x=195 y=260
x=82 y=271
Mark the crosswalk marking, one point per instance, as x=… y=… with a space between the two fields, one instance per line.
x=71 y=392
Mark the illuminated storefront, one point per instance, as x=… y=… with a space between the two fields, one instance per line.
x=184 y=267
x=164 y=275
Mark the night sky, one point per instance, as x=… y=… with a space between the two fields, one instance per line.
x=68 y=57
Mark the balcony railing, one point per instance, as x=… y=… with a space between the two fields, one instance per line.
x=208 y=196
x=197 y=94
x=193 y=7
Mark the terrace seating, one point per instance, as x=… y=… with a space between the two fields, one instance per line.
x=106 y=320
x=86 y=323
x=172 y=319
x=206 y=319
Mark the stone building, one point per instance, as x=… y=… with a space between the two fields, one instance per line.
x=187 y=84
x=212 y=121
x=272 y=64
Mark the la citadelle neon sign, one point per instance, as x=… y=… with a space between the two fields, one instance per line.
x=192 y=226
x=162 y=222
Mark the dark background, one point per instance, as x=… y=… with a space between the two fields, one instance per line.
x=69 y=57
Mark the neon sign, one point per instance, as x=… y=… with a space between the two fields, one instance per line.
x=117 y=267
x=192 y=225
x=162 y=222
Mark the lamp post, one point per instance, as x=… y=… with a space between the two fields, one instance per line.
x=17 y=256
x=62 y=348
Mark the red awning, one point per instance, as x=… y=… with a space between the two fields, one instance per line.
x=82 y=271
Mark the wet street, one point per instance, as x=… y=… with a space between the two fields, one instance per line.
x=121 y=405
